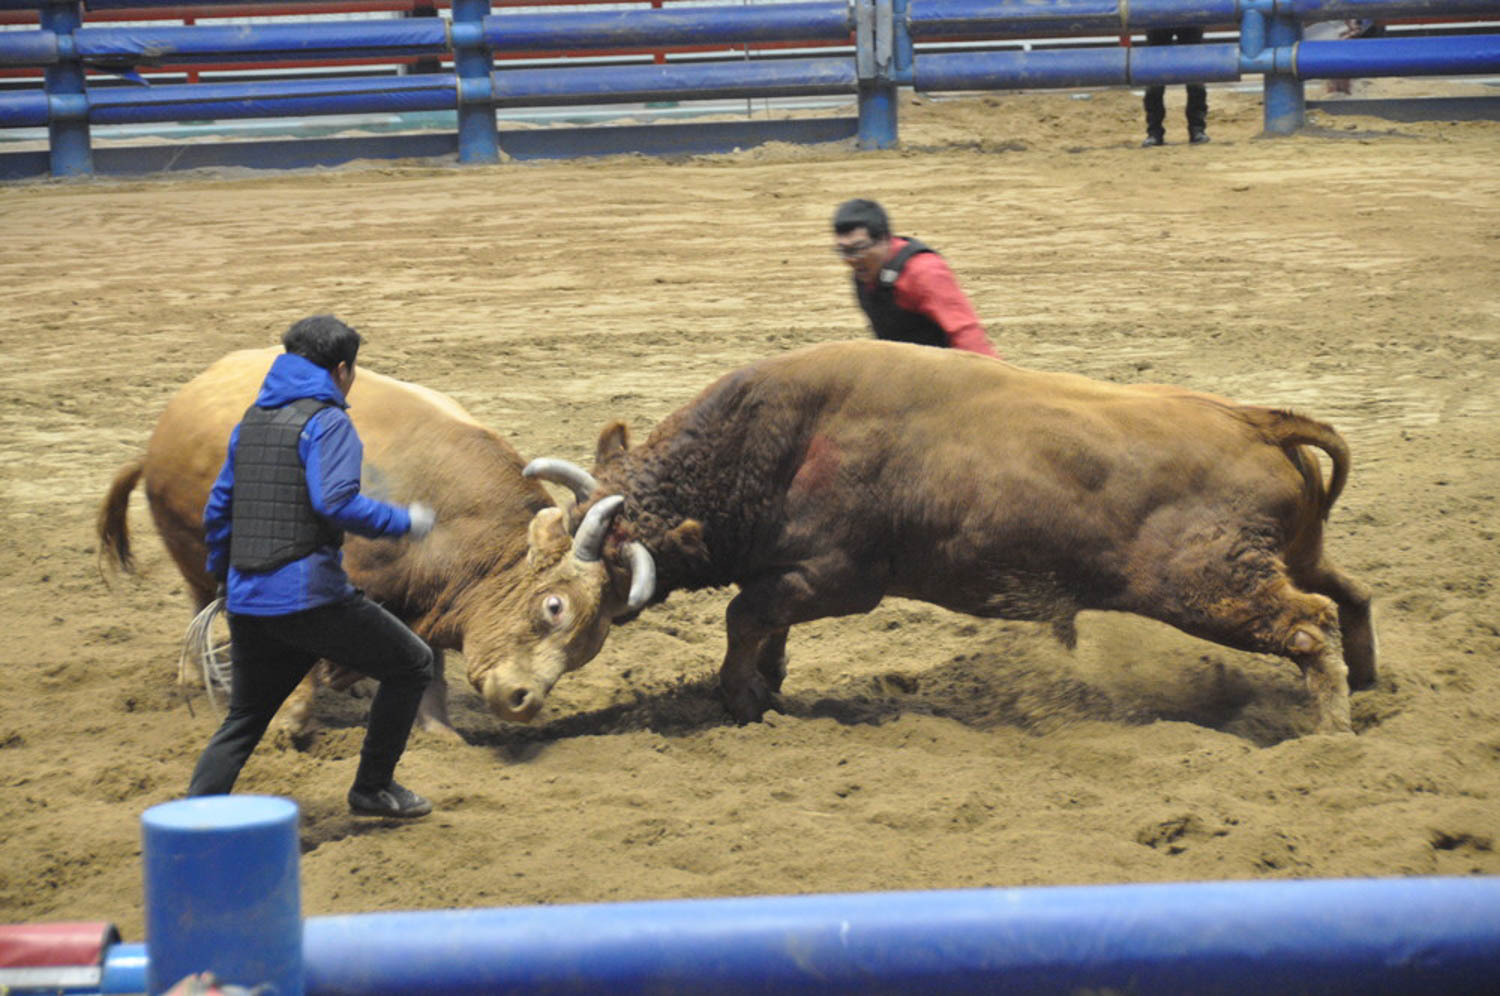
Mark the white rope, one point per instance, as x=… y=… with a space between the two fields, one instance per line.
x=198 y=645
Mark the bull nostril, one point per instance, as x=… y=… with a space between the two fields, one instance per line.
x=518 y=699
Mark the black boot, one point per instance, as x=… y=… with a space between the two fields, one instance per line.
x=1197 y=113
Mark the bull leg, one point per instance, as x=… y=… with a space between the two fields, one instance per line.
x=432 y=713
x=747 y=693
x=1356 y=624
x=1327 y=678
x=295 y=717
x=771 y=662
x=1272 y=617
x=758 y=618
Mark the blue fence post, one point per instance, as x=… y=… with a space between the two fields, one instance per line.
x=874 y=57
x=1285 y=108
x=67 y=106
x=223 y=892
x=478 y=135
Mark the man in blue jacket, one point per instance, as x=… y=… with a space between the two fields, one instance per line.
x=274 y=523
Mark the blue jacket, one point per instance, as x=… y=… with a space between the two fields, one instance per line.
x=331 y=455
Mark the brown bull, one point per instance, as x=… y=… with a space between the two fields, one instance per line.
x=469 y=586
x=823 y=480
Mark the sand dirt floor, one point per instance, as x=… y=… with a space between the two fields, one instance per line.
x=1351 y=271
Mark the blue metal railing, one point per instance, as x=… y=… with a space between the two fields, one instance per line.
x=884 y=33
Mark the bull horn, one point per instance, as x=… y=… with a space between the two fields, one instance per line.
x=642 y=576
x=569 y=475
x=588 y=542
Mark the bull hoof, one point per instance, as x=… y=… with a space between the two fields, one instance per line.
x=440 y=730
x=749 y=704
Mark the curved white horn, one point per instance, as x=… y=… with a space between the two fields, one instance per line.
x=588 y=542
x=569 y=475
x=642 y=575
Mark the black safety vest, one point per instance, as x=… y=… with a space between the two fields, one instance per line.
x=879 y=304
x=272 y=518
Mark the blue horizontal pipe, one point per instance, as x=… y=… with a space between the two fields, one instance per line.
x=23 y=109
x=1454 y=55
x=698 y=81
x=1021 y=70
x=28 y=48
x=272 y=98
x=1168 y=64
x=1077 y=67
x=1063 y=18
x=1391 y=936
x=825 y=21
x=220 y=43
x=1334 y=10
x=124 y=969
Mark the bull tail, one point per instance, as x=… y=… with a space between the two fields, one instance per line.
x=1289 y=430
x=111 y=526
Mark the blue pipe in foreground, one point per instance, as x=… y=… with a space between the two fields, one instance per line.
x=1332 y=936
x=222 y=894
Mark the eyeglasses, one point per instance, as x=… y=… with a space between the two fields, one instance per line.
x=856 y=249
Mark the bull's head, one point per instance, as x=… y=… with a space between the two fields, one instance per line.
x=570 y=600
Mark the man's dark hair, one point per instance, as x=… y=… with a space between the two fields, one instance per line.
x=860 y=213
x=322 y=339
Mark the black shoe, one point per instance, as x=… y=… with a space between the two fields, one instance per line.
x=393 y=800
x=1152 y=141
x=1197 y=136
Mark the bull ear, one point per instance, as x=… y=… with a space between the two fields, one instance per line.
x=613 y=442
x=547 y=534
x=686 y=538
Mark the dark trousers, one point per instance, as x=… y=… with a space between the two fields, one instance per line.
x=1197 y=93
x=271 y=654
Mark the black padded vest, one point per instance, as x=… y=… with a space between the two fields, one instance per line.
x=879 y=304
x=272 y=518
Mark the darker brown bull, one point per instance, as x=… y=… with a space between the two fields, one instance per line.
x=823 y=480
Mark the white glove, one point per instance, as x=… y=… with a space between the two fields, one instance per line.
x=422 y=519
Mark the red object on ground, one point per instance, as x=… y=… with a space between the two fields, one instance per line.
x=38 y=945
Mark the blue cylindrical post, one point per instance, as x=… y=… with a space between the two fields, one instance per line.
x=222 y=892
x=876 y=25
x=478 y=134
x=1285 y=108
x=68 y=135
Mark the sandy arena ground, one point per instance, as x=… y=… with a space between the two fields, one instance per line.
x=1352 y=271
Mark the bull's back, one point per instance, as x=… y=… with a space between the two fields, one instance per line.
x=938 y=399
x=955 y=444
x=414 y=438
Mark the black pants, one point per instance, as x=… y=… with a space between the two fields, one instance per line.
x=1197 y=94
x=271 y=654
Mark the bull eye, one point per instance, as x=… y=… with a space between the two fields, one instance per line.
x=554 y=607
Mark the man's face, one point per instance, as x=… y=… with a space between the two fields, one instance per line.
x=863 y=254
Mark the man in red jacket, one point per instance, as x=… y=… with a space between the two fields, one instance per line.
x=905 y=288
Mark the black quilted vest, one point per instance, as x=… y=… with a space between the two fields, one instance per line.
x=273 y=521
x=879 y=304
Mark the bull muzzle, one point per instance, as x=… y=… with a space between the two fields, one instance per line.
x=515 y=700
